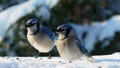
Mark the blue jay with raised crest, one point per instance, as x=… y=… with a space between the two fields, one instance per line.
x=69 y=46
x=39 y=36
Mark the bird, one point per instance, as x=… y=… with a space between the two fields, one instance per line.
x=40 y=36
x=69 y=46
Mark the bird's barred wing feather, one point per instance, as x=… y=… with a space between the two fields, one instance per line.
x=81 y=46
x=48 y=31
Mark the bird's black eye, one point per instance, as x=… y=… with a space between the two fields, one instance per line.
x=30 y=24
x=62 y=29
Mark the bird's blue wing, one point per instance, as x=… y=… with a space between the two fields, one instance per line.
x=48 y=31
x=81 y=46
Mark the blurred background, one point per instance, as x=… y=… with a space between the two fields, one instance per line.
x=96 y=21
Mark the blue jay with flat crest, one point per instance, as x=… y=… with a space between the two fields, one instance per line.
x=69 y=46
x=40 y=36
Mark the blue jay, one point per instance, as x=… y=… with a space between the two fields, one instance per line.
x=69 y=46
x=40 y=36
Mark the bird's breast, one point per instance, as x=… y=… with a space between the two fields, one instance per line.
x=41 y=42
x=68 y=49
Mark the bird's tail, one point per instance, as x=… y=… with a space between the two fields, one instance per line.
x=89 y=58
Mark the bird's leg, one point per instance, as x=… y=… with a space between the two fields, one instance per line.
x=37 y=55
x=49 y=57
x=70 y=61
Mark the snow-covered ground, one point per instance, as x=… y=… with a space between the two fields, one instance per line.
x=103 y=61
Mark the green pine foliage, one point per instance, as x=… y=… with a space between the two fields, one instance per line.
x=113 y=46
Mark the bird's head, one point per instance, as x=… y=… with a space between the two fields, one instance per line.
x=63 y=31
x=32 y=25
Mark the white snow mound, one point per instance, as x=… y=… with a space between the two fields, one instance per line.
x=103 y=61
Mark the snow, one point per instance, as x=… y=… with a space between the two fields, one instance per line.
x=44 y=13
x=112 y=25
x=102 y=61
x=91 y=38
x=51 y=3
x=14 y=13
x=98 y=31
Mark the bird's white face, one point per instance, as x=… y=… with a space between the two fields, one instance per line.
x=32 y=29
x=63 y=32
x=32 y=26
x=61 y=35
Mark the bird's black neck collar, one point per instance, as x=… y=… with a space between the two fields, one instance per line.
x=38 y=29
x=66 y=34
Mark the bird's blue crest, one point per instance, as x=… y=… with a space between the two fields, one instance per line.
x=32 y=21
x=64 y=26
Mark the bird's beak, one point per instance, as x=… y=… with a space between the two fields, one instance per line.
x=53 y=30
x=57 y=31
x=27 y=26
